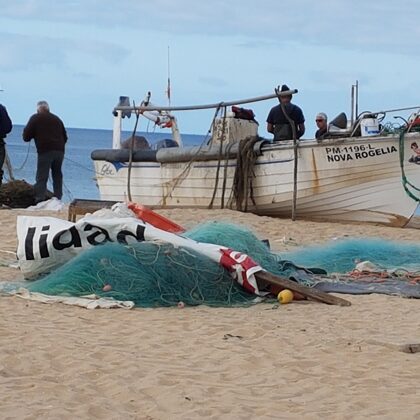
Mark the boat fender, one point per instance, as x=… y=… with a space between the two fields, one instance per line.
x=164 y=121
x=155 y=219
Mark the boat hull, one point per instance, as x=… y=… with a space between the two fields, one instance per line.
x=351 y=179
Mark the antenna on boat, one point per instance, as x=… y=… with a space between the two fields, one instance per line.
x=354 y=101
x=168 y=89
x=357 y=99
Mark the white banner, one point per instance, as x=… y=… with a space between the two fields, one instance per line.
x=45 y=243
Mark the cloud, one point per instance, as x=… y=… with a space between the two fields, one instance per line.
x=353 y=25
x=23 y=52
x=213 y=82
x=94 y=50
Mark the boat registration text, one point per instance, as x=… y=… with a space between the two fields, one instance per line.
x=361 y=151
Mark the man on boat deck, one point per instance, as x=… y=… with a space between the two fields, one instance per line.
x=322 y=124
x=50 y=139
x=278 y=124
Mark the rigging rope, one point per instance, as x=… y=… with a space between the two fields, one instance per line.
x=175 y=182
x=130 y=160
x=242 y=187
x=25 y=160
x=221 y=140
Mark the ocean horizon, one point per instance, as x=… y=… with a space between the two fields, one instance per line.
x=78 y=170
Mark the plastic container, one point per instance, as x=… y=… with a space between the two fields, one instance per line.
x=369 y=127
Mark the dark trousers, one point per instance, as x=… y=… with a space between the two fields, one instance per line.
x=2 y=157
x=49 y=160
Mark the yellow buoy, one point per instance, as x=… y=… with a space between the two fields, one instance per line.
x=285 y=296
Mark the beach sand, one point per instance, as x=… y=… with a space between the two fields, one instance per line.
x=304 y=360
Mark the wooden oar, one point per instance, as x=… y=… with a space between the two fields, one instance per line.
x=309 y=292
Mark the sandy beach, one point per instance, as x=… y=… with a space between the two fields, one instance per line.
x=304 y=360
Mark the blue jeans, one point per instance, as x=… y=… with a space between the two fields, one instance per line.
x=49 y=160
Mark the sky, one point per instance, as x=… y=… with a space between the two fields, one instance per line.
x=81 y=55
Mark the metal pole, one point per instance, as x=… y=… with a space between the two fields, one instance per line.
x=295 y=150
x=357 y=98
x=207 y=106
x=116 y=132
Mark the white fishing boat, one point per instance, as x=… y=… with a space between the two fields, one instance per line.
x=362 y=172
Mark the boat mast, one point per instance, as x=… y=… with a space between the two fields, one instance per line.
x=168 y=89
x=176 y=135
x=357 y=99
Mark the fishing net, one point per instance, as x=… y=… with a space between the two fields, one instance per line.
x=18 y=194
x=147 y=273
x=243 y=240
x=158 y=274
x=235 y=237
x=155 y=274
x=342 y=256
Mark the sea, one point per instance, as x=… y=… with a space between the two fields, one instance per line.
x=78 y=170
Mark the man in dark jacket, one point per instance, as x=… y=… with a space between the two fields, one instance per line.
x=5 y=128
x=279 y=125
x=50 y=139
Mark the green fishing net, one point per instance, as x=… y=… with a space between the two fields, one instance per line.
x=155 y=274
x=149 y=274
x=158 y=274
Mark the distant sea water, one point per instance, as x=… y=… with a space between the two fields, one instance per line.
x=78 y=169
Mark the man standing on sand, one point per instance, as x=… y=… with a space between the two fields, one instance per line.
x=50 y=139
x=5 y=129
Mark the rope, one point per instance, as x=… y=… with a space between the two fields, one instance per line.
x=130 y=159
x=242 y=187
x=25 y=160
x=225 y=169
x=8 y=165
x=222 y=139
x=81 y=166
x=175 y=182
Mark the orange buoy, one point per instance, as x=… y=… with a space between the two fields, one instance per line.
x=155 y=219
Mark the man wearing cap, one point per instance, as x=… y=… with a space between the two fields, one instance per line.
x=322 y=124
x=279 y=125
x=5 y=128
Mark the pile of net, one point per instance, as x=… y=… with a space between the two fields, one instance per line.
x=153 y=274
x=343 y=255
x=360 y=266
x=149 y=274
x=18 y=194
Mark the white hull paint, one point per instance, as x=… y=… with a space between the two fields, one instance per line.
x=349 y=179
